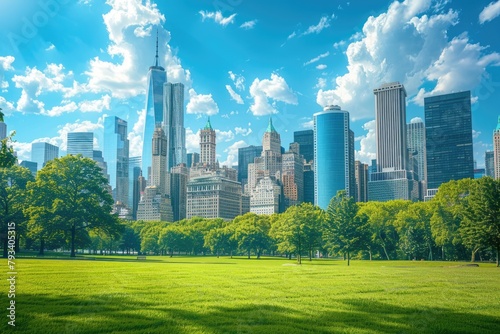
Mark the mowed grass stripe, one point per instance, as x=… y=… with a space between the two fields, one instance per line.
x=223 y=295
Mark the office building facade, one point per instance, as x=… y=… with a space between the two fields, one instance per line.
x=192 y=159
x=246 y=155
x=41 y=153
x=81 y=143
x=496 y=149
x=208 y=146
x=489 y=163
x=173 y=123
x=178 y=191
x=361 y=176
x=305 y=139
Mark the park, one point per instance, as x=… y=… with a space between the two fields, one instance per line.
x=206 y=294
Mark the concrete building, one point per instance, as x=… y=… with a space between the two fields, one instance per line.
x=309 y=182
x=213 y=197
x=159 y=171
x=333 y=155
x=361 y=176
x=208 y=146
x=448 y=132
x=292 y=176
x=154 y=207
x=266 y=197
x=3 y=130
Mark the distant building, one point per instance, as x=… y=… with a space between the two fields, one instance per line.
x=192 y=159
x=3 y=130
x=173 y=123
x=333 y=155
x=31 y=165
x=448 y=132
x=309 y=183
x=489 y=162
x=98 y=158
x=154 y=207
x=361 y=176
x=479 y=173
x=415 y=139
x=81 y=143
x=246 y=155
x=208 y=146
x=496 y=149
x=266 y=198
x=41 y=153
x=213 y=197
x=134 y=194
x=178 y=191
x=305 y=139
x=292 y=176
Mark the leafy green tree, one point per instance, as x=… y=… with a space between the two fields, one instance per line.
x=172 y=238
x=298 y=229
x=70 y=195
x=414 y=228
x=13 y=182
x=218 y=240
x=344 y=230
x=251 y=231
x=7 y=156
x=150 y=237
x=481 y=224
x=130 y=239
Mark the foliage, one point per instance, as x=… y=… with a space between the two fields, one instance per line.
x=7 y=155
x=251 y=231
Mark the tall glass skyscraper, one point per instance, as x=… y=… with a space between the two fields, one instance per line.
x=134 y=171
x=116 y=147
x=81 y=143
x=496 y=150
x=154 y=110
x=173 y=123
x=246 y=155
x=448 y=134
x=489 y=163
x=305 y=139
x=41 y=153
x=3 y=130
x=333 y=155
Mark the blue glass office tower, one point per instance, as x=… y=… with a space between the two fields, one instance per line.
x=41 y=153
x=305 y=138
x=81 y=143
x=173 y=123
x=154 y=111
x=333 y=155
x=116 y=147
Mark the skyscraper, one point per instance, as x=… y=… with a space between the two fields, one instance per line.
x=41 y=153
x=246 y=155
x=99 y=159
x=173 y=123
x=415 y=139
x=393 y=178
x=178 y=191
x=309 y=183
x=154 y=110
x=159 y=164
x=192 y=159
x=489 y=163
x=207 y=145
x=81 y=143
x=448 y=135
x=3 y=130
x=305 y=139
x=116 y=150
x=361 y=175
x=134 y=194
x=292 y=176
x=496 y=149
x=333 y=155
x=31 y=165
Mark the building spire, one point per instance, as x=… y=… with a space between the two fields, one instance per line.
x=156 y=57
x=270 y=127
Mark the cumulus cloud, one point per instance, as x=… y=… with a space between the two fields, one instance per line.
x=490 y=12
x=238 y=80
x=235 y=96
x=135 y=136
x=201 y=104
x=321 y=83
x=416 y=120
x=217 y=17
x=224 y=136
x=50 y=47
x=408 y=45
x=6 y=63
x=232 y=153
x=275 y=89
x=96 y=105
x=242 y=131
x=315 y=59
x=248 y=24
x=59 y=110
x=192 y=140
x=368 y=143
x=321 y=66
x=308 y=125
x=323 y=23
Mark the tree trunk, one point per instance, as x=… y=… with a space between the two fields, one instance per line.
x=473 y=256
x=217 y=253
x=370 y=252
x=231 y=253
x=430 y=252
x=248 y=253
x=497 y=256
x=348 y=259
x=73 y=233
x=42 y=247
x=310 y=254
x=442 y=252
x=385 y=251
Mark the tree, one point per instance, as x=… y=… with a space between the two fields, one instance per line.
x=481 y=224
x=252 y=233
x=7 y=156
x=344 y=228
x=70 y=196
x=298 y=229
x=414 y=229
x=13 y=182
x=171 y=238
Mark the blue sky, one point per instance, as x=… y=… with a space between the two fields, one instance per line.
x=64 y=64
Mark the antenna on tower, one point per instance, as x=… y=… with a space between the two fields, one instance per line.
x=156 y=63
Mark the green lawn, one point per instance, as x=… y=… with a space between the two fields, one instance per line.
x=210 y=295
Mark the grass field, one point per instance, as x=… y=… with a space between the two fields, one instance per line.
x=211 y=295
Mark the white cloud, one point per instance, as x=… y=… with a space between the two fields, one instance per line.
x=6 y=63
x=368 y=143
x=308 y=124
x=405 y=44
x=235 y=96
x=96 y=105
x=337 y=45
x=135 y=136
x=475 y=134
x=276 y=89
x=59 y=110
x=202 y=104
x=242 y=131
x=292 y=35
x=416 y=120
x=232 y=153
x=321 y=67
x=323 y=23
x=50 y=47
x=238 y=80
x=224 y=136
x=490 y=12
x=315 y=59
x=6 y=105
x=143 y=31
x=321 y=83
x=248 y=24
x=192 y=140
x=217 y=17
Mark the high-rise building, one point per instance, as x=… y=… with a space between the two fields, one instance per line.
x=309 y=182
x=81 y=143
x=448 y=135
x=192 y=159
x=415 y=139
x=173 y=123
x=496 y=149
x=292 y=176
x=178 y=190
x=271 y=140
x=489 y=163
x=159 y=163
x=333 y=155
x=246 y=155
x=271 y=151
x=266 y=197
x=207 y=145
x=154 y=207
x=41 y=153
x=31 y=165
x=99 y=159
x=394 y=179
x=305 y=139
x=361 y=175
x=3 y=130
x=116 y=151
x=134 y=194
x=213 y=196
x=154 y=110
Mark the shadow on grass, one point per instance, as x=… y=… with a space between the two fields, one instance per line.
x=122 y=313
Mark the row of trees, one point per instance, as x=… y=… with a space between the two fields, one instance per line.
x=68 y=205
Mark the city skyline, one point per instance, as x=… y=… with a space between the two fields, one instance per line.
x=237 y=83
